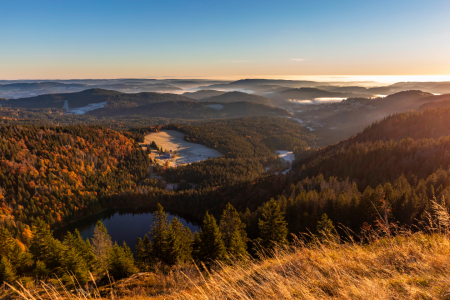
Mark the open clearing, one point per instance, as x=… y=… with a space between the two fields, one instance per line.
x=187 y=152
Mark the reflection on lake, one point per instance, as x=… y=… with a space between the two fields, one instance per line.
x=126 y=224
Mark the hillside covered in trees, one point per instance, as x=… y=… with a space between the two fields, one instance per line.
x=122 y=111
x=59 y=174
x=390 y=173
x=248 y=145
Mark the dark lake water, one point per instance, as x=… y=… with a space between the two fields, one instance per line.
x=126 y=224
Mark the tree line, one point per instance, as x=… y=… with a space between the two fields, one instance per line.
x=167 y=244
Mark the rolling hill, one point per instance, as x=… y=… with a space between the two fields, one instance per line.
x=201 y=94
x=442 y=101
x=80 y=99
x=310 y=94
x=239 y=97
x=99 y=103
x=192 y=110
x=336 y=121
x=431 y=87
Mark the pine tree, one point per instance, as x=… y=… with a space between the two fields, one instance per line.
x=326 y=228
x=179 y=243
x=158 y=233
x=75 y=265
x=209 y=243
x=21 y=259
x=143 y=253
x=102 y=244
x=10 y=248
x=140 y=253
x=84 y=248
x=40 y=269
x=237 y=247
x=44 y=247
x=121 y=261
x=40 y=243
x=233 y=232
x=7 y=271
x=272 y=227
x=5 y=242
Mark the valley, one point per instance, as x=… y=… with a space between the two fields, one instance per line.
x=133 y=165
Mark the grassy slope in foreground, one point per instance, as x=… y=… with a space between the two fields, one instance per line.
x=411 y=266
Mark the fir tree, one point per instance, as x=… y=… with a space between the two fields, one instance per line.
x=40 y=243
x=75 y=265
x=7 y=271
x=5 y=242
x=21 y=259
x=179 y=243
x=44 y=247
x=233 y=232
x=40 y=269
x=84 y=248
x=326 y=228
x=120 y=261
x=144 y=253
x=238 y=246
x=272 y=227
x=209 y=243
x=102 y=244
x=158 y=233
x=140 y=253
x=10 y=248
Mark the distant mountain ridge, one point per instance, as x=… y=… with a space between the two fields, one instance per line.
x=86 y=97
x=117 y=104
x=442 y=101
x=240 y=97
x=201 y=94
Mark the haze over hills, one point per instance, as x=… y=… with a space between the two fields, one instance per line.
x=310 y=94
x=86 y=97
x=440 y=102
x=201 y=94
x=101 y=103
x=332 y=112
x=337 y=121
x=265 y=87
x=239 y=97
x=431 y=87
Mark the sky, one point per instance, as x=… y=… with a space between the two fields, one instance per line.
x=223 y=39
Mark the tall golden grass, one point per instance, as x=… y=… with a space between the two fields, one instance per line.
x=404 y=265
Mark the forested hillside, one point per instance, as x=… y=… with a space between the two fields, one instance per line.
x=249 y=137
x=248 y=145
x=239 y=97
x=121 y=110
x=59 y=174
x=348 y=181
x=395 y=167
x=114 y=99
x=412 y=144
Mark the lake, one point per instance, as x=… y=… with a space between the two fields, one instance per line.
x=125 y=224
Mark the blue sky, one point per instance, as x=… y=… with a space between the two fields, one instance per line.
x=111 y=39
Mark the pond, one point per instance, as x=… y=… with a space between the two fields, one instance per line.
x=125 y=224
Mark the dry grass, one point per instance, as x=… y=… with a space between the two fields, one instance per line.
x=413 y=267
x=404 y=266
